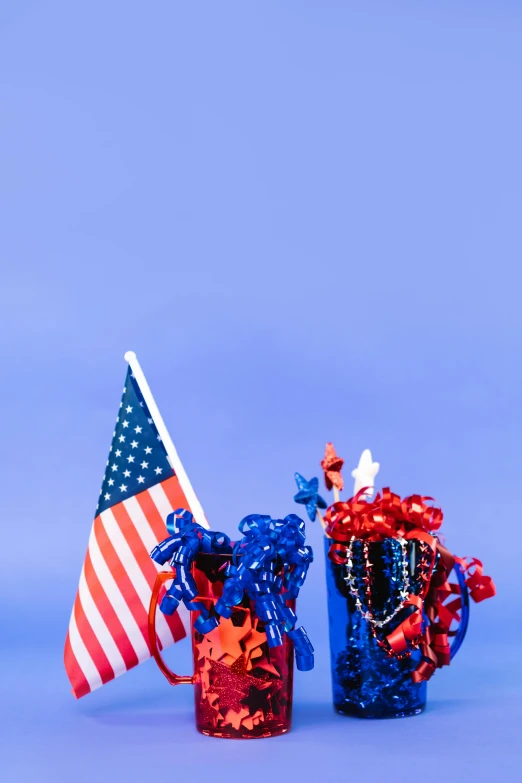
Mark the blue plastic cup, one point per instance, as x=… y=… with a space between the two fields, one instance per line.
x=366 y=682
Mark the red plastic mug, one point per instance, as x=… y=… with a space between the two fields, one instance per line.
x=242 y=688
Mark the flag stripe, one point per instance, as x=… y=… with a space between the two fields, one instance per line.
x=134 y=573
x=174 y=493
x=179 y=622
x=82 y=613
x=89 y=671
x=161 y=500
x=156 y=521
x=145 y=531
x=106 y=656
x=164 y=508
x=129 y=529
x=143 y=525
x=111 y=619
x=119 y=588
x=80 y=685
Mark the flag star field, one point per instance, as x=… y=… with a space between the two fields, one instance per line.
x=137 y=457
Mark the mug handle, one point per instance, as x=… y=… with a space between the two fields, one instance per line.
x=174 y=679
x=464 y=616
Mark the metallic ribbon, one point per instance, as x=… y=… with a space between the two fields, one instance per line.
x=269 y=565
x=430 y=615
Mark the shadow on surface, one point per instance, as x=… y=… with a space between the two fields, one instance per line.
x=448 y=706
x=146 y=717
x=314 y=713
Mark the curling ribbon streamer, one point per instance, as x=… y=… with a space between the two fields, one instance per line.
x=430 y=617
x=255 y=571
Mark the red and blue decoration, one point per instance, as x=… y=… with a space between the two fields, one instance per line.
x=268 y=566
x=421 y=604
x=396 y=615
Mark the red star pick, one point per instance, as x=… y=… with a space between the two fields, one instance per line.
x=332 y=465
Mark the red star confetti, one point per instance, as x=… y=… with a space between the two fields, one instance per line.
x=257 y=700
x=267 y=666
x=248 y=723
x=204 y=648
x=254 y=640
x=225 y=639
x=234 y=718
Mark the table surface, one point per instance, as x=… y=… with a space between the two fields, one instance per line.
x=138 y=726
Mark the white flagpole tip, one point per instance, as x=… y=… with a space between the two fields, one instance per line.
x=129 y=356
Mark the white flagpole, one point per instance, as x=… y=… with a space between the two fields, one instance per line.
x=172 y=454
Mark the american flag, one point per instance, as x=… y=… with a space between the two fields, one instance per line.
x=108 y=627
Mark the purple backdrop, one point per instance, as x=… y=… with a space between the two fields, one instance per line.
x=305 y=219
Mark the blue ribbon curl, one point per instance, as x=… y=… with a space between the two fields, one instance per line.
x=269 y=565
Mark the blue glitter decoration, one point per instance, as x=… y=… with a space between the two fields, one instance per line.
x=308 y=495
x=366 y=681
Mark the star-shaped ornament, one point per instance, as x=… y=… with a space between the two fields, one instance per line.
x=229 y=686
x=266 y=666
x=226 y=638
x=209 y=715
x=213 y=699
x=203 y=673
x=332 y=465
x=254 y=720
x=254 y=655
x=308 y=495
x=239 y=666
x=364 y=474
x=234 y=718
x=204 y=648
x=252 y=643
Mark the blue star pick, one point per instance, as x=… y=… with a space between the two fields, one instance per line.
x=308 y=495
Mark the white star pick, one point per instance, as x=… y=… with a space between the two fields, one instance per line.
x=365 y=472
